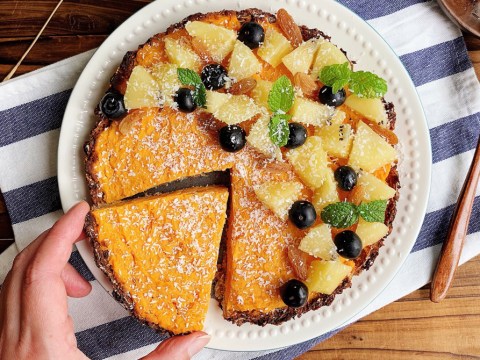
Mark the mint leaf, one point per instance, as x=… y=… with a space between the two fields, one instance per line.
x=278 y=129
x=190 y=78
x=373 y=211
x=368 y=85
x=200 y=95
x=336 y=76
x=280 y=98
x=340 y=214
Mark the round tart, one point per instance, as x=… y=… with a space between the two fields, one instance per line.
x=308 y=147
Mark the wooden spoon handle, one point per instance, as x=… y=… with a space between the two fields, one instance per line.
x=452 y=247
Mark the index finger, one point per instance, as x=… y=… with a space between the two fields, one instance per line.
x=54 y=251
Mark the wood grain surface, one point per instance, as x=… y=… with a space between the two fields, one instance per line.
x=410 y=327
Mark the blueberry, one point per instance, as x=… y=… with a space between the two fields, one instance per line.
x=251 y=34
x=112 y=105
x=232 y=138
x=302 y=214
x=184 y=98
x=328 y=98
x=214 y=76
x=346 y=177
x=349 y=244
x=294 y=293
x=297 y=137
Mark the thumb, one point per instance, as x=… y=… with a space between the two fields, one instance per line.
x=179 y=347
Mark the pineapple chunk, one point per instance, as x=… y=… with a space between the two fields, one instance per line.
x=218 y=41
x=311 y=112
x=243 y=62
x=336 y=139
x=215 y=100
x=301 y=59
x=237 y=109
x=337 y=118
x=274 y=48
x=279 y=196
x=371 y=189
x=371 y=232
x=142 y=90
x=372 y=109
x=325 y=276
x=370 y=151
x=166 y=76
x=326 y=194
x=327 y=54
x=182 y=55
x=259 y=138
x=319 y=243
x=261 y=91
x=310 y=162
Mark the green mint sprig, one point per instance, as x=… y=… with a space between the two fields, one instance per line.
x=362 y=83
x=190 y=78
x=280 y=100
x=345 y=214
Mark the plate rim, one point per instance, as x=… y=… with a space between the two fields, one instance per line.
x=96 y=60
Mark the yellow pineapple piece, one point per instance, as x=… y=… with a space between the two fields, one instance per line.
x=301 y=59
x=279 y=196
x=311 y=112
x=369 y=150
x=336 y=139
x=337 y=118
x=261 y=91
x=167 y=78
x=326 y=194
x=319 y=243
x=325 y=276
x=218 y=40
x=310 y=162
x=371 y=188
x=237 y=109
x=372 y=109
x=215 y=100
x=243 y=62
x=274 y=48
x=142 y=90
x=182 y=55
x=327 y=54
x=371 y=232
x=259 y=138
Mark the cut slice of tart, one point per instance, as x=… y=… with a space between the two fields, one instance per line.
x=160 y=253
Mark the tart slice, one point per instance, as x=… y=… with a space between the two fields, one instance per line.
x=160 y=254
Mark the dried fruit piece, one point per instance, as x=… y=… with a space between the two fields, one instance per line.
x=127 y=124
x=243 y=86
x=389 y=135
x=199 y=47
x=289 y=28
x=298 y=260
x=308 y=86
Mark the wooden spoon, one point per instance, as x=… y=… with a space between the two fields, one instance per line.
x=452 y=247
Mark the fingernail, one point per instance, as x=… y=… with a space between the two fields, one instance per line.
x=198 y=344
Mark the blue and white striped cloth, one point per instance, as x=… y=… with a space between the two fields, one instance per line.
x=433 y=51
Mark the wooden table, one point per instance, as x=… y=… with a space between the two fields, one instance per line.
x=411 y=326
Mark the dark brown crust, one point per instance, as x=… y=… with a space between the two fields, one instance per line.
x=118 y=83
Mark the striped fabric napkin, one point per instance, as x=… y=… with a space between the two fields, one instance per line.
x=434 y=53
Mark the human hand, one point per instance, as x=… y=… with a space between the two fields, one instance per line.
x=34 y=319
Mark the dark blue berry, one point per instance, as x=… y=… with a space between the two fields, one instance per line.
x=349 y=244
x=327 y=97
x=302 y=214
x=112 y=105
x=294 y=293
x=232 y=138
x=297 y=137
x=184 y=98
x=251 y=34
x=346 y=178
x=214 y=76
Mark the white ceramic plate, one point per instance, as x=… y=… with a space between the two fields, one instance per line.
x=363 y=45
